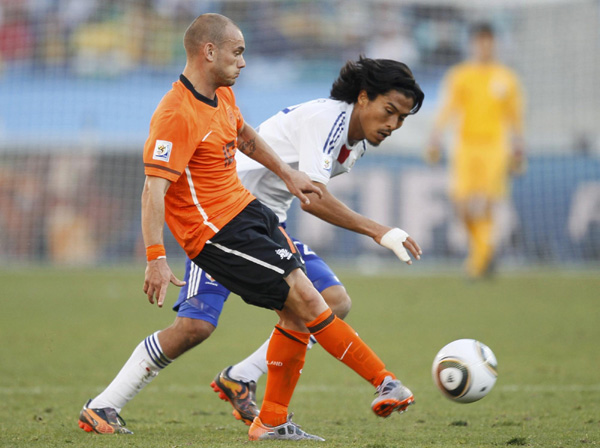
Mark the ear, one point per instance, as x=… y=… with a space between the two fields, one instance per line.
x=209 y=51
x=363 y=98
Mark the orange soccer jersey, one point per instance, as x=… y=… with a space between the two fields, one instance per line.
x=192 y=143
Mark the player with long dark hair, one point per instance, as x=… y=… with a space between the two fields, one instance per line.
x=322 y=138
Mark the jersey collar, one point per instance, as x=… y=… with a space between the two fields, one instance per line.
x=186 y=82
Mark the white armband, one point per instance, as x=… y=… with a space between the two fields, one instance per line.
x=393 y=240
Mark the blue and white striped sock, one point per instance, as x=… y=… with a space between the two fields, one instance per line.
x=155 y=352
x=146 y=361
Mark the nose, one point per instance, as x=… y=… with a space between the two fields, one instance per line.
x=398 y=123
x=242 y=62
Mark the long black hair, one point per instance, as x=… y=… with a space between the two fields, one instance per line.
x=376 y=77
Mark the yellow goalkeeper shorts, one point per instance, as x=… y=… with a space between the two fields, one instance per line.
x=479 y=171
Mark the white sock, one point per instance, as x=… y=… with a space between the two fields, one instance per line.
x=146 y=361
x=255 y=365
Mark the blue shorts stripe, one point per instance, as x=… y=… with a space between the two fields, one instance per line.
x=195 y=277
x=202 y=297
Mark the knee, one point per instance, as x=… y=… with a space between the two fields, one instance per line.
x=199 y=332
x=338 y=300
x=194 y=331
x=303 y=299
x=306 y=303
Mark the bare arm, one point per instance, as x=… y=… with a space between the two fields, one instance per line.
x=332 y=210
x=158 y=273
x=255 y=147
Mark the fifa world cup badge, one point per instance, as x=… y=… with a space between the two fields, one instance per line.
x=162 y=150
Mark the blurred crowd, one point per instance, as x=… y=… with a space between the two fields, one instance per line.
x=115 y=36
x=64 y=203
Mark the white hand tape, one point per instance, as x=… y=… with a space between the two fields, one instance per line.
x=393 y=240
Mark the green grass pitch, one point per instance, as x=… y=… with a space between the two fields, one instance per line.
x=65 y=333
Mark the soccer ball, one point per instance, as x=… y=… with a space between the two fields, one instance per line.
x=465 y=370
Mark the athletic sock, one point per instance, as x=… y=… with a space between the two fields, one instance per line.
x=311 y=342
x=255 y=365
x=146 y=361
x=285 y=359
x=341 y=341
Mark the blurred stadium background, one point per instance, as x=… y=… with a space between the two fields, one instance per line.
x=79 y=80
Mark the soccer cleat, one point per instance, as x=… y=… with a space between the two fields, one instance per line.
x=393 y=396
x=287 y=431
x=241 y=395
x=102 y=421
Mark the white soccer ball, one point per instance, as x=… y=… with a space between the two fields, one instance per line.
x=465 y=370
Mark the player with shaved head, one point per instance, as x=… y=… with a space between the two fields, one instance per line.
x=236 y=240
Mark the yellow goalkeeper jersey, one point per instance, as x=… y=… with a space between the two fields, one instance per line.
x=487 y=101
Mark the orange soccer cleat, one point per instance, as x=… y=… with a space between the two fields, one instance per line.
x=102 y=421
x=241 y=395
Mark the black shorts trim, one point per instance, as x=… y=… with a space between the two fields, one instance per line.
x=247 y=257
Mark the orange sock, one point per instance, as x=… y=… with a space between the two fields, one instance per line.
x=341 y=341
x=285 y=359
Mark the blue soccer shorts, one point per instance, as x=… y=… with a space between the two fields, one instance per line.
x=203 y=297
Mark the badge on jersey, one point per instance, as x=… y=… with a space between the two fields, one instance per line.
x=327 y=162
x=162 y=150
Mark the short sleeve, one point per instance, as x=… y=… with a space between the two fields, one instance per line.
x=169 y=146
x=317 y=139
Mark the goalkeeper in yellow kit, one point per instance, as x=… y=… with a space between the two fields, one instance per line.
x=483 y=99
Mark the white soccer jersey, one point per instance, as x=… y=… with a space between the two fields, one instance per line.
x=311 y=137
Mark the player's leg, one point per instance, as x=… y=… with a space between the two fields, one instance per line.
x=232 y=382
x=199 y=306
x=479 y=223
x=305 y=308
x=268 y=273
x=326 y=282
x=493 y=187
x=467 y=165
x=480 y=176
x=252 y=257
x=336 y=336
x=250 y=369
x=285 y=358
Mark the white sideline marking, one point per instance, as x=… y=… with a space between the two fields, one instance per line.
x=201 y=389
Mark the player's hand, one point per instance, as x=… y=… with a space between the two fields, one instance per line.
x=157 y=278
x=299 y=183
x=401 y=244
